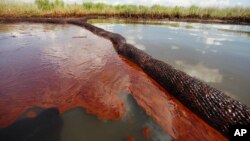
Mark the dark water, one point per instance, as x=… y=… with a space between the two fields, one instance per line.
x=214 y=53
x=76 y=124
x=74 y=71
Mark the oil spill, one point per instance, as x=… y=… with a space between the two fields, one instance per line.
x=50 y=69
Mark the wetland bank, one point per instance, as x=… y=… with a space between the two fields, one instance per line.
x=67 y=79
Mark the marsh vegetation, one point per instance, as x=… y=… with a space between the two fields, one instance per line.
x=58 y=8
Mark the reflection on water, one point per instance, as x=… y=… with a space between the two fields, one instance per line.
x=240 y=29
x=215 y=41
x=50 y=68
x=206 y=51
x=46 y=66
x=201 y=72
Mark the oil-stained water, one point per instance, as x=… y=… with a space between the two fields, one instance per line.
x=65 y=67
x=76 y=124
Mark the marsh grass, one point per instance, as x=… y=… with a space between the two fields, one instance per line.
x=57 y=8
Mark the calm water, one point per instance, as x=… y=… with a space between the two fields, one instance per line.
x=81 y=87
x=71 y=69
x=214 y=53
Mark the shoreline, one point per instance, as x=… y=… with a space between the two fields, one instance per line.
x=138 y=17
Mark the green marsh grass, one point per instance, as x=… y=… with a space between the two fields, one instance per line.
x=57 y=8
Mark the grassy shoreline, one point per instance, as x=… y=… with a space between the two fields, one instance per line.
x=57 y=8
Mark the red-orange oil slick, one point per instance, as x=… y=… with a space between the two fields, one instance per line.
x=48 y=68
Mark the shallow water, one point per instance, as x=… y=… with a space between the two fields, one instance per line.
x=81 y=126
x=76 y=124
x=214 y=53
x=87 y=82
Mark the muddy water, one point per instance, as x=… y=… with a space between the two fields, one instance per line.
x=214 y=53
x=98 y=94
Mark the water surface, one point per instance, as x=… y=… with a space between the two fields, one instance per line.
x=217 y=54
x=94 y=93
